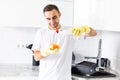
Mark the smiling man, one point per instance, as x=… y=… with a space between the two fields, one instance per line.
x=53 y=49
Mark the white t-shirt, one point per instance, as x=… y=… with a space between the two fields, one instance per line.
x=58 y=66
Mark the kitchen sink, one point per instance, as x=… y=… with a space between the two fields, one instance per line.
x=94 y=74
x=102 y=74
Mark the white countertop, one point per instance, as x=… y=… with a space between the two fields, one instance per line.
x=9 y=70
x=29 y=72
x=109 y=78
x=100 y=78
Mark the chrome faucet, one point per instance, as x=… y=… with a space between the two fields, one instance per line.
x=98 y=58
x=99 y=55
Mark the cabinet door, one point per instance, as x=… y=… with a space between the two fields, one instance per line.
x=19 y=13
x=28 y=13
x=99 y=14
x=111 y=20
x=81 y=12
x=86 y=12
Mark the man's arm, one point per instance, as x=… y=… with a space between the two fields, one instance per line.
x=37 y=55
x=52 y=49
x=91 y=33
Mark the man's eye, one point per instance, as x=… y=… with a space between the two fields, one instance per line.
x=54 y=17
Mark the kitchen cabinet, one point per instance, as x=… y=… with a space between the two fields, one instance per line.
x=81 y=10
x=16 y=13
x=111 y=15
x=100 y=14
x=28 y=13
x=87 y=12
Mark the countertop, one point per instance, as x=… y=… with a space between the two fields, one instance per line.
x=97 y=78
x=27 y=71
x=9 y=70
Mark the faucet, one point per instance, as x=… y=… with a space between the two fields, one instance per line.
x=98 y=58
x=99 y=55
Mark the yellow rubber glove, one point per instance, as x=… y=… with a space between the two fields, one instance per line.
x=77 y=31
x=52 y=49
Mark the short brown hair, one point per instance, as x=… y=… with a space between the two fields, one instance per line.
x=50 y=7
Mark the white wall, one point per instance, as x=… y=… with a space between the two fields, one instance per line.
x=111 y=48
x=12 y=45
x=87 y=47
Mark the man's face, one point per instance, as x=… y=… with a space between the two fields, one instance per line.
x=53 y=18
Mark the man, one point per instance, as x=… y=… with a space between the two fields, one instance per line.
x=53 y=46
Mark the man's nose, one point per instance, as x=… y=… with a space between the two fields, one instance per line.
x=52 y=21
